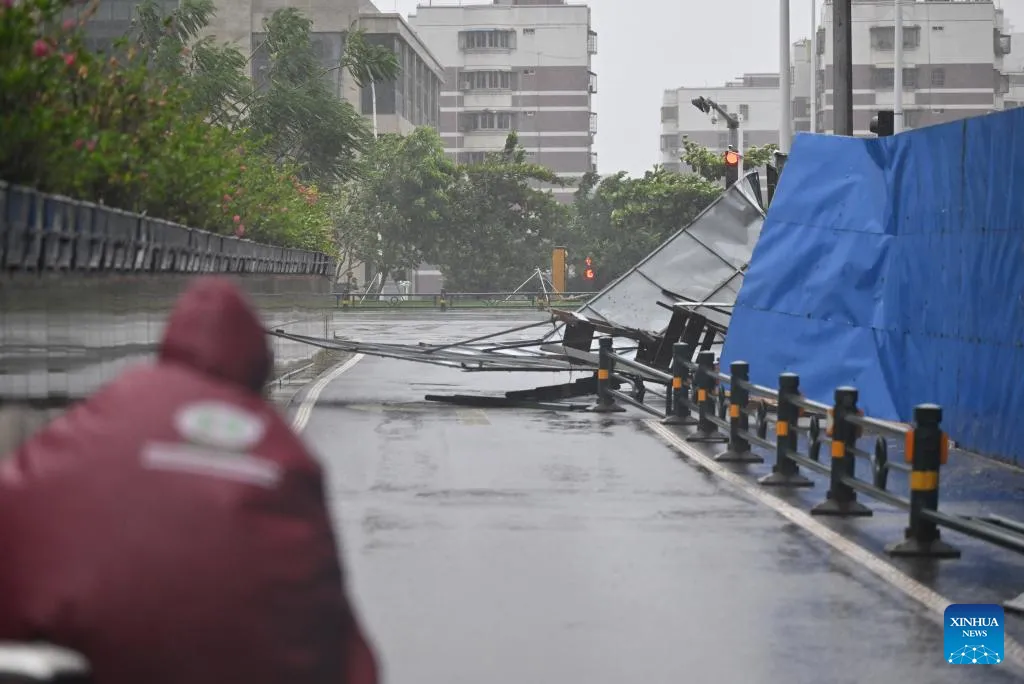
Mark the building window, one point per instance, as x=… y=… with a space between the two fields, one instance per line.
x=495 y=39
x=820 y=42
x=910 y=78
x=723 y=140
x=938 y=78
x=883 y=37
x=670 y=113
x=882 y=78
x=487 y=80
x=487 y=121
x=670 y=142
x=745 y=112
x=912 y=118
x=529 y=31
x=476 y=156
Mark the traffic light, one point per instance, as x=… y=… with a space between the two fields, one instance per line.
x=588 y=272
x=883 y=123
x=702 y=103
x=732 y=167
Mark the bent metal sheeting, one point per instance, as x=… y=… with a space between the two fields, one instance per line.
x=701 y=267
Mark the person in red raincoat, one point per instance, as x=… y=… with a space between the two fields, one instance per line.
x=173 y=529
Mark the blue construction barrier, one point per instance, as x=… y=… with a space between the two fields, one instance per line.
x=897 y=265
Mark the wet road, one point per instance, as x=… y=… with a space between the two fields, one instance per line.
x=512 y=546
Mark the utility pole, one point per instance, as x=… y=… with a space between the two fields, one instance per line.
x=842 y=61
x=786 y=118
x=814 y=66
x=897 y=68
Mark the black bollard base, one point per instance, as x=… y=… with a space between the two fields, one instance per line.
x=707 y=438
x=914 y=548
x=736 y=457
x=679 y=420
x=779 y=479
x=842 y=509
x=607 y=408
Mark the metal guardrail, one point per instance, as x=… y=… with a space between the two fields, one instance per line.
x=40 y=232
x=696 y=396
x=454 y=300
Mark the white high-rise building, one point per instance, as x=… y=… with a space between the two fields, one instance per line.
x=516 y=65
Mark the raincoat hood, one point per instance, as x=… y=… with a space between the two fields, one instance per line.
x=214 y=330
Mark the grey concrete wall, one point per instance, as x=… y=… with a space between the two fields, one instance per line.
x=62 y=336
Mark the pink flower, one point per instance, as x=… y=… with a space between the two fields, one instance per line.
x=6 y=4
x=91 y=145
x=240 y=230
x=78 y=144
x=69 y=58
x=227 y=198
x=69 y=24
x=237 y=218
x=40 y=48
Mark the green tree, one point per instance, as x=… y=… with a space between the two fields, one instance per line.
x=298 y=116
x=502 y=226
x=213 y=73
x=369 y=65
x=711 y=166
x=619 y=220
x=397 y=210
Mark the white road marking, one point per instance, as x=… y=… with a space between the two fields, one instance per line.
x=305 y=410
x=933 y=601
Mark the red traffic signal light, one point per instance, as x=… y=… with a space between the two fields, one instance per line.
x=589 y=274
x=732 y=158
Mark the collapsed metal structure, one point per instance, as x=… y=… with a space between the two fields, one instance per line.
x=682 y=292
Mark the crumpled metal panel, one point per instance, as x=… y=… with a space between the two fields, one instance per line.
x=703 y=262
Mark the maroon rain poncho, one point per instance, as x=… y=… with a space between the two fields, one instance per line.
x=173 y=529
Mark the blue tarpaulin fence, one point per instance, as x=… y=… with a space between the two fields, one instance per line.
x=896 y=265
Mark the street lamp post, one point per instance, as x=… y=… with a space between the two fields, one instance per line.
x=732 y=122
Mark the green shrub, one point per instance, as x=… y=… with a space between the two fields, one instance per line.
x=111 y=129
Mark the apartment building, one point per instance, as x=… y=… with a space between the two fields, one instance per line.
x=953 y=61
x=414 y=100
x=516 y=65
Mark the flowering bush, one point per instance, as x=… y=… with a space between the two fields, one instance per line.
x=109 y=128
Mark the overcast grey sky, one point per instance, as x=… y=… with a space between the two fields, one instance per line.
x=647 y=46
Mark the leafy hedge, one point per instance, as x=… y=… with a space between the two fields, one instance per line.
x=119 y=130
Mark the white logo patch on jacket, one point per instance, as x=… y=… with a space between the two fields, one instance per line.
x=219 y=425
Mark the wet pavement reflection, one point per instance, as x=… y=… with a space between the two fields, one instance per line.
x=511 y=546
